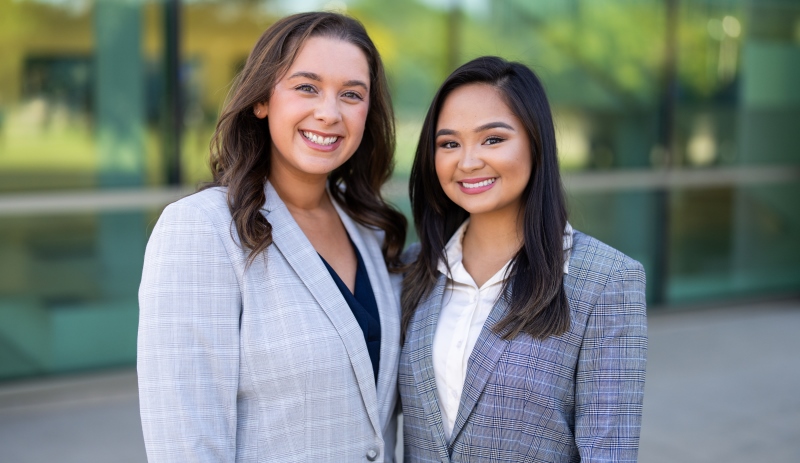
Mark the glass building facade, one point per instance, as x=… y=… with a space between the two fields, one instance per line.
x=678 y=128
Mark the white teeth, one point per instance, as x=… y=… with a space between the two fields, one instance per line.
x=320 y=140
x=479 y=184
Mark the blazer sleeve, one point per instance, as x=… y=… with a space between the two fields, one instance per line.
x=188 y=341
x=611 y=370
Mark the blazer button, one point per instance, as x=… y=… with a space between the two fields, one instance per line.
x=372 y=455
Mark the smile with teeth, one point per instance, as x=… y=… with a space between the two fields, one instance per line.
x=318 y=139
x=486 y=182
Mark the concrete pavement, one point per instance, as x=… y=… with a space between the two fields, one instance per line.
x=722 y=385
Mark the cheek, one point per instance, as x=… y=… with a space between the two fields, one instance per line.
x=522 y=168
x=358 y=118
x=278 y=119
x=522 y=163
x=443 y=173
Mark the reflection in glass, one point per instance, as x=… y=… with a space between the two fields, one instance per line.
x=84 y=104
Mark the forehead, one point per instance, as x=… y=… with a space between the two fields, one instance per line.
x=331 y=56
x=474 y=105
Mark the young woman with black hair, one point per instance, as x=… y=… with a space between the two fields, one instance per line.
x=269 y=329
x=524 y=340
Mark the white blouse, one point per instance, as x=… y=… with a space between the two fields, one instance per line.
x=465 y=308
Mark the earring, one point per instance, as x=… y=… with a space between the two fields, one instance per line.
x=258 y=112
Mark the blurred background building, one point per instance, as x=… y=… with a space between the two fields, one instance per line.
x=678 y=128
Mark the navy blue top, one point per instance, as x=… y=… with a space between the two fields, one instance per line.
x=364 y=308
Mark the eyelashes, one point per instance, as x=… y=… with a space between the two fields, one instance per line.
x=353 y=95
x=306 y=88
x=310 y=89
x=490 y=140
x=448 y=145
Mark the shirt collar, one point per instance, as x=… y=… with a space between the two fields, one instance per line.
x=454 y=248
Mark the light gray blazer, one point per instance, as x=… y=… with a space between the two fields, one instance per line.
x=261 y=363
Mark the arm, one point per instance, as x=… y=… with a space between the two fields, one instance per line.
x=188 y=345
x=611 y=368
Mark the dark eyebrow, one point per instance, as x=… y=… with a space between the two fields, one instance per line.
x=356 y=83
x=494 y=125
x=490 y=125
x=307 y=75
x=445 y=132
x=316 y=77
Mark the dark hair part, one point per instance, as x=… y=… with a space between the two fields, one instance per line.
x=240 y=147
x=534 y=288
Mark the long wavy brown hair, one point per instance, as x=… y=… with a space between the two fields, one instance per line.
x=240 y=147
x=534 y=289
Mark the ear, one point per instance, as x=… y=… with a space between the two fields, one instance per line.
x=261 y=109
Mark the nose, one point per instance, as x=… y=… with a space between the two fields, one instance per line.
x=470 y=159
x=328 y=111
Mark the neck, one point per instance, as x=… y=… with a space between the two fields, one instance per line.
x=490 y=234
x=300 y=193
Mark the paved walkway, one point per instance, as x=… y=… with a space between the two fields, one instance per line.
x=722 y=385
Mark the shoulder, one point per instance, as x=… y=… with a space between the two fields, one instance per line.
x=598 y=271
x=590 y=256
x=196 y=230
x=606 y=289
x=204 y=213
x=211 y=203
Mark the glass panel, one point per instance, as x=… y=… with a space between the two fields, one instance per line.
x=694 y=175
x=68 y=288
x=742 y=111
x=79 y=110
x=46 y=97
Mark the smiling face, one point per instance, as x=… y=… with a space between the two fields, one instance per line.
x=318 y=109
x=483 y=157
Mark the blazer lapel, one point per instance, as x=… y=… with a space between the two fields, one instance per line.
x=423 y=327
x=388 y=310
x=304 y=260
x=481 y=365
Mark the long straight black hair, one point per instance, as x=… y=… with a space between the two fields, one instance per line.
x=534 y=288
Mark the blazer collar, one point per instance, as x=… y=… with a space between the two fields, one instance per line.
x=388 y=310
x=482 y=363
x=420 y=341
x=272 y=201
x=292 y=243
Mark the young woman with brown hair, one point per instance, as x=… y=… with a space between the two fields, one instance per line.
x=269 y=329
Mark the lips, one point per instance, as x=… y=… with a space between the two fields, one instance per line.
x=478 y=184
x=473 y=186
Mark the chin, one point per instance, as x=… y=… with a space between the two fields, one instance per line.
x=321 y=167
x=474 y=209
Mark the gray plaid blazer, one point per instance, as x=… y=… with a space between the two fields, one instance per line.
x=264 y=363
x=569 y=398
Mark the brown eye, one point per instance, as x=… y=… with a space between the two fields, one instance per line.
x=448 y=145
x=353 y=95
x=306 y=88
